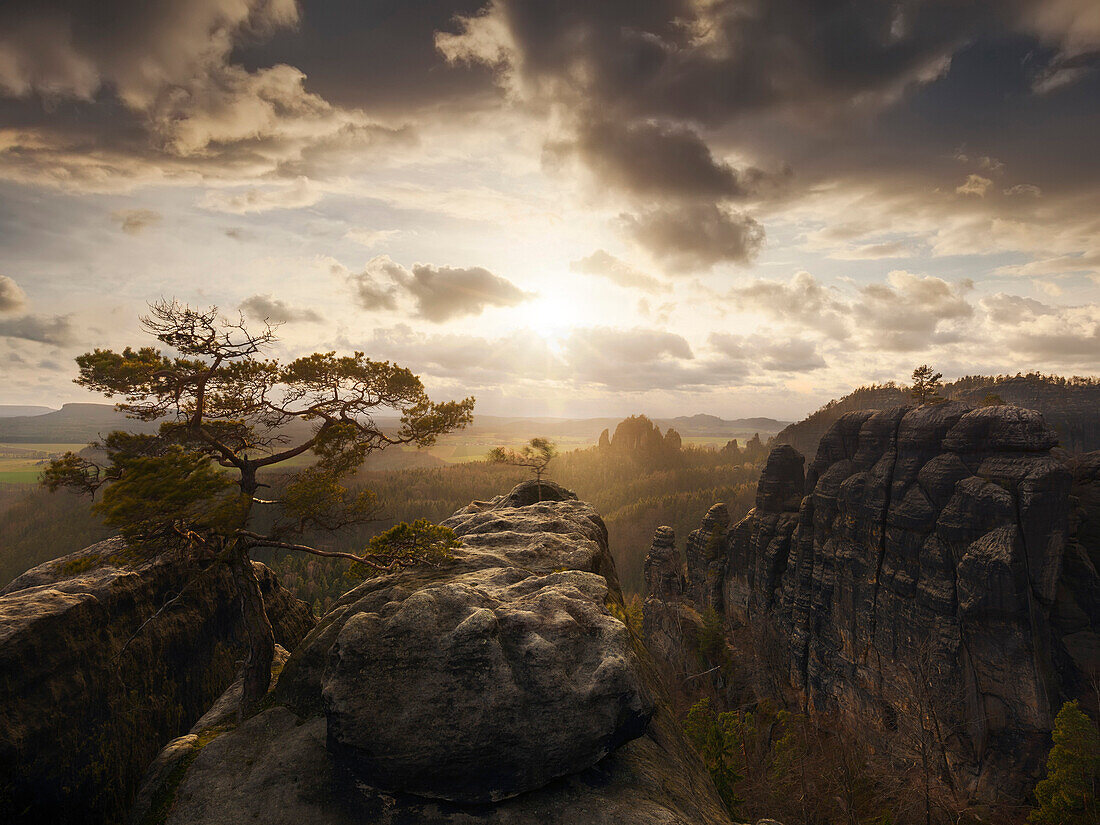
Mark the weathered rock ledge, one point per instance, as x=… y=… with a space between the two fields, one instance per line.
x=89 y=692
x=497 y=688
x=936 y=557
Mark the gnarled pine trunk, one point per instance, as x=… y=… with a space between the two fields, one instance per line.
x=261 y=641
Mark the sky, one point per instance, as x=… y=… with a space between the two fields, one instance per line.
x=564 y=208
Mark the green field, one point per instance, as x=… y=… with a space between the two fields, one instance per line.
x=22 y=463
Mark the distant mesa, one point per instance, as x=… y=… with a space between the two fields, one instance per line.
x=16 y=410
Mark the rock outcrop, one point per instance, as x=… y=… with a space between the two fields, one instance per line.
x=1071 y=407
x=936 y=557
x=496 y=688
x=91 y=689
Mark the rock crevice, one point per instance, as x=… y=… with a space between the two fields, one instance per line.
x=91 y=687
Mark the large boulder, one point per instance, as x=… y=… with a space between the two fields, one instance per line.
x=494 y=685
x=497 y=688
x=105 y=658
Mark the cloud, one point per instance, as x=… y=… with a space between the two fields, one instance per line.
x=371 y=237
x=1024 y=189
x=803 y=300
x=135 y=221
x=443 y=292
x=153 y=92
x=73 y=50
x=44 y=329
x=1087 y=263
x=439 y=293
x=873 y=252
x=476 y=360
x=297 y=195
x=790 y=355
x=1013 y=309
x=634 y=359
x=695 y=236
x=648 y=159
x=974 y=185
x=619 y=272
x=12 y=297
x=604 y=358
x=907 y=312
x=911 y=312
x=1068 y=336
x=712 y=61
x=371 y=293
x=266 y=308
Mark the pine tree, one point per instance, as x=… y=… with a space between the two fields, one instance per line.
x=1067 y=796
x=227 y=413
x=926 y=385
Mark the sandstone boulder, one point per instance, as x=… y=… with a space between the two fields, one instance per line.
x=493 y=685
x=496 y=689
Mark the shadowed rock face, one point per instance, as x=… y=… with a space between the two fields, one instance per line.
x=497 y=688
x=934 y=544
x=88 y=695
x=480 y=674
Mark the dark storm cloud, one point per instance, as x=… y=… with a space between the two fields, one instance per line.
x=379 y=55
x=708 y=62
x=665 y=160
x=695 y=236
x=267 y=308
x=866 y=92
x=95 y=95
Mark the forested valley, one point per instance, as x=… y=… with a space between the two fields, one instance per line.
x=637 y=485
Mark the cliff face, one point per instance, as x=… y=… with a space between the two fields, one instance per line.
x=936 y=558
x=89 y=692
x=497 y=688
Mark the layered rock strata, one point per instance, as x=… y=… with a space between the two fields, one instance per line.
x=495 y=688
x=91 y=686
x=935 y=557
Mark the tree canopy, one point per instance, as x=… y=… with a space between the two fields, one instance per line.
x=926 y=385
x=536 y=454
x=229 y=412
x=1068 y=794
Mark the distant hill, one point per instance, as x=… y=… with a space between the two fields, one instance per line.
x=81 y=423
x=13 y=410
x=1070 y=405
x=686 y=426
x=72 y=424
